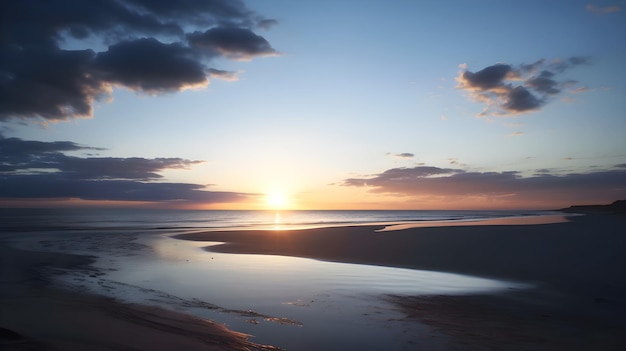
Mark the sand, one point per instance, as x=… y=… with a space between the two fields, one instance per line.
x=35 y=316
x=576 y=270
x=585 y=253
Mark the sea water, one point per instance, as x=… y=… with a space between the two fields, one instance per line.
x=60 y=219
x=290 y=302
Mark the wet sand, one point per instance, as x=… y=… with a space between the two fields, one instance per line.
x=577 y=269
x=584 y=254
x=35 y=316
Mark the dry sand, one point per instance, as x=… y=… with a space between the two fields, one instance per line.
x=577 y=268
x=34 y=316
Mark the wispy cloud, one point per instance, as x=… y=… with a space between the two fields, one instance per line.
x=59 y=57
x=402 y=155
x=507 y=90
x=35 y=169
x=453 y=184
x=602 y=10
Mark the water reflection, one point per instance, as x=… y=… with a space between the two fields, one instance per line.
x=272 y=276
x=325 y=297
x=277 y=221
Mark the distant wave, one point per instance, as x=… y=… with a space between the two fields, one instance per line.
x=44 y=220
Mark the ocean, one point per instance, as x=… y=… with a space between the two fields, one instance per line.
x=25 y=220
x=290 y=302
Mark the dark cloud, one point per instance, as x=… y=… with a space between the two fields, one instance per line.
x=455 y=183
x=400 y=175
x=40 y=186
x=519 y=99
x=16 y=146
x=58 y=57
x=237 y=43
x=507 y=90
x=532 y=67
x=559 y=66
x=149 y=65
x=57 y=87
x=544 y=83
x=487 y=78
x=35 y=169
x=205 y=12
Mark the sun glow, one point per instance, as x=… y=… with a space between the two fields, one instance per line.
x=277 y=200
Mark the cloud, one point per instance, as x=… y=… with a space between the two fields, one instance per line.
x=508 y=90
x=602 y=10
x=488 y=78
x=404 y=155
x=544 y=83
x=579 y=90
x=235 y=43
x=267 y=23
x=148 y=65
x=40 y=186
x=223 y=75
x=36 y=169
x=519 y=99
x=453 y=184
x=59 y=57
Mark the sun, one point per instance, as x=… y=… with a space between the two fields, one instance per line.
x=277 y=200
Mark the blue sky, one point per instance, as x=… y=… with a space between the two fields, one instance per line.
x=511 y=104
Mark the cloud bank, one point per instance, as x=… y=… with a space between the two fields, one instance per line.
x=58 y=57
x=452 y=184
x=507 y=90
x=42 y=170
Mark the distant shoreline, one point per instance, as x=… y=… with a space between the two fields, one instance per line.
x=617 y=207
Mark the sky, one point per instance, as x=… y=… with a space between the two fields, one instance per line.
x=276 y=104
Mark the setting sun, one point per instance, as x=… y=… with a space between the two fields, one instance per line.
x=277 y=200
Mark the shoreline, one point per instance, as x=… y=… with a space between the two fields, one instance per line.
x=37 y=316
x=513 y=220
x=582 y=253
x=576 y=269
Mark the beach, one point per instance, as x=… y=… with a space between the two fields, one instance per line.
x=575 y=299
x=577 y=269
x=35 y=316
